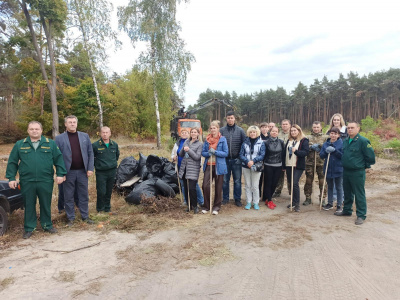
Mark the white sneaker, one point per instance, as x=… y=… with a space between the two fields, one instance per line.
x=204 y=211
x=215 y=212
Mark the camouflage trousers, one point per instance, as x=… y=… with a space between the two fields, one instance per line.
x=308 y=187
x=281 y=181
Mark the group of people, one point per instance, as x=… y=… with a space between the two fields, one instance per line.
x=75 y=158
x=339 y=157
x=262 y=154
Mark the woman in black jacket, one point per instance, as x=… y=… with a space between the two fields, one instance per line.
x=296 y=151
x=274 y=156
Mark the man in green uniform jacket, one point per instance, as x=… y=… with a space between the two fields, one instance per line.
x=106 y=154
x=358 y=155
x=33 y=158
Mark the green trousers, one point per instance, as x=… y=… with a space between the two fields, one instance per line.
x=30 y=191
x=104 y=185
x=354 y=188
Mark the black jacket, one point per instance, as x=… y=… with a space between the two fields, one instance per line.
x=235 y=137
x=274 y=151
x=300 y=153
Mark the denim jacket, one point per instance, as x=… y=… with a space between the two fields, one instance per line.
x=220 y=154
x=258 y=155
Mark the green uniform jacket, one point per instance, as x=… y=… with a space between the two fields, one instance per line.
x=105 y=158
x=35 y=165
x=359 y=154
x=315 y=138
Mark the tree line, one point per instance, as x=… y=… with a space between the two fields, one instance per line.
x=354 y=96
x=53 y=61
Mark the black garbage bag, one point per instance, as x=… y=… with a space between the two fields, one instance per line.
x=126 y=169
x=147 y=188
x=142 y=171
x=169 y=174
x=164 y=189
x=155 y=165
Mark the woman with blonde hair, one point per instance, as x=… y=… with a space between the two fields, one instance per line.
x=296 y=151
x=252 y=157
x=338 y=122
x=190 y=167
x=215 y=146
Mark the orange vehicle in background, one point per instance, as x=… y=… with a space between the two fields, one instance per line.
x=186 y=120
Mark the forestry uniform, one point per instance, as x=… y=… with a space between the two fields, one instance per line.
x=105 y=162
x=358 y=155
x=34 y=163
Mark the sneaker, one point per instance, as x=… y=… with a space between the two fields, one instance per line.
x=238 y=203
x=256 y=207
x=70 y=223
x=89 y=221
x=359 y=221
x=342 y=214
x=276 y=195
x=196 y=210
x=215 y=212
x=225 y=202
x=271 y=205
x=27 y=234
x=204 y=211
x=297 y=208
x=339 y=209
x=328 y=206
x=248 y=206
x=289 y=206
x=267 y=203
x=307 y=202
x=51 y=230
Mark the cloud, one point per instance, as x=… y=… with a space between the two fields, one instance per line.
x=297 y=44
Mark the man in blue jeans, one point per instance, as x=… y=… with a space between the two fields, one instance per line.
x=234 y=136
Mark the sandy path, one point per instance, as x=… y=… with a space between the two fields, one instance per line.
x=236 y=255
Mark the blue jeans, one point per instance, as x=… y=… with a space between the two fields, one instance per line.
x=235 y=167
x=200 y=198
x=335 y=184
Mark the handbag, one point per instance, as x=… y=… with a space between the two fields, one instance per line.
x=259 y=166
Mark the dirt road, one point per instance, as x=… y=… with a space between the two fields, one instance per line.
x=236 y=255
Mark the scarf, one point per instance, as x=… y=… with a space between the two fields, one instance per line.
x=213 y=141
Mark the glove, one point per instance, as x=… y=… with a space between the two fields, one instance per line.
x=290 y=150
x=211 y=151
x=330 y=149
x=254 y=168
x=186 y=155
x=316 y=147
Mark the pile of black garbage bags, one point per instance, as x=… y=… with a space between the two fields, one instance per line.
x=157 y=177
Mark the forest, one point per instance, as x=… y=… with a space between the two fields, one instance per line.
x=354 y=96
x=52 y=64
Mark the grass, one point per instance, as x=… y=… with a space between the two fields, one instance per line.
x=65 y=276
x=129 y=218
x=6 y=282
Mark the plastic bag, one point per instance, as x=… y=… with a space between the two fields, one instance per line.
x=142 y=171
x=126 y=169
x=164 y=189
x=147 y=188
x=155 y=165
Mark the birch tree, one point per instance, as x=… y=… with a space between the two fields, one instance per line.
x=154 y=22
x=92 y=18
x=52 y=17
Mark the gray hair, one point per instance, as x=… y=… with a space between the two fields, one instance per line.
x=35 y=122
x=70 y=117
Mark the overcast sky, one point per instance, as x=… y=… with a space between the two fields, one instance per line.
x=246 y=46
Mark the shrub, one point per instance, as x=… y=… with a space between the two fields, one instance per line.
x=369 y=124
x=375 y=141
x=395 y=144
